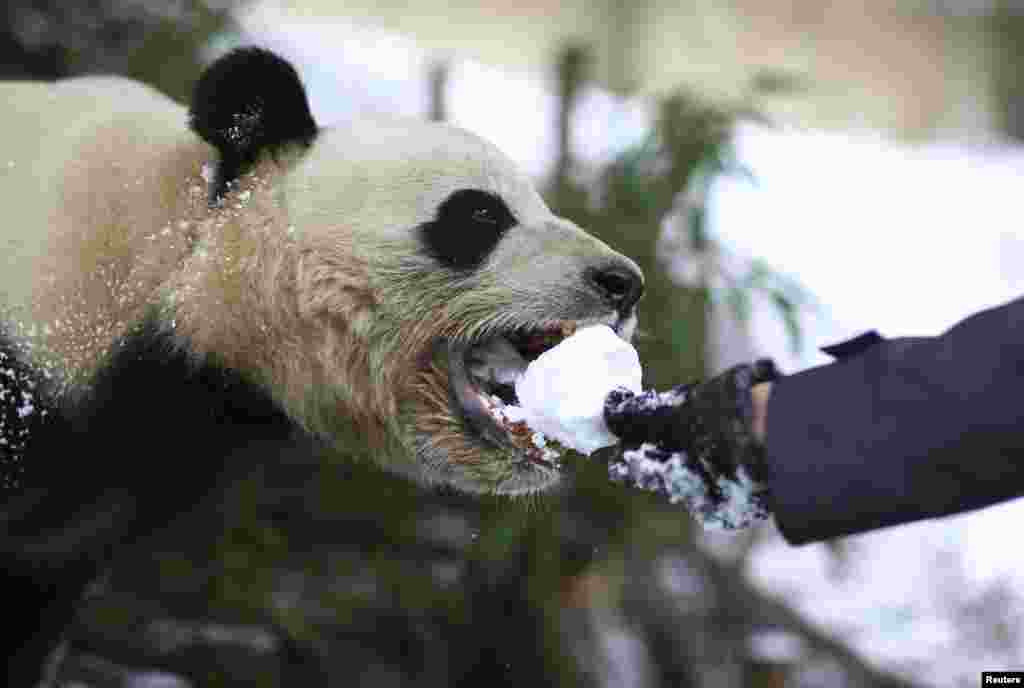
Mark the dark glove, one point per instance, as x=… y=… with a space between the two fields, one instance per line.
x=694 y=444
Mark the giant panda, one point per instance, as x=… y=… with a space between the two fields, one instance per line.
x=180 y=287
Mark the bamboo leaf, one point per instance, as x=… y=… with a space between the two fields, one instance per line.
x=789 y=312
x=739 y=302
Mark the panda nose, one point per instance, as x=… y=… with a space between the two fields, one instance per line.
x=619 y=285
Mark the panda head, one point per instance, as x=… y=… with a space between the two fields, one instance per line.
x=386 y=278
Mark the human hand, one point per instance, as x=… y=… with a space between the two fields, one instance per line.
x=699 y=444
x=759 y=395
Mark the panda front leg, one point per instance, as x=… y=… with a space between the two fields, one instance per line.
x=153 y=435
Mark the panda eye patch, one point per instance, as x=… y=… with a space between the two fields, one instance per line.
x=468 y=225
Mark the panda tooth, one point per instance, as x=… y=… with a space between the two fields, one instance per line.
x=496 y=361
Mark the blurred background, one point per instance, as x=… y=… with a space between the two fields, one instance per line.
x=787 y=172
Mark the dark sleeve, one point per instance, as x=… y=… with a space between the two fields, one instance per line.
x=903 y=430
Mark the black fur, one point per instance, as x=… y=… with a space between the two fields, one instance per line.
x=24 y=411
x=246 y=103
x=469 y=224
x=152 y=437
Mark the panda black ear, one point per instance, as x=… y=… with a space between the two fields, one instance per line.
x=247 y=102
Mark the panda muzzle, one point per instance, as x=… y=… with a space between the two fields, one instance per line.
x=482 y=377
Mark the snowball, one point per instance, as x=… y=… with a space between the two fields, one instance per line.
x=562 y=392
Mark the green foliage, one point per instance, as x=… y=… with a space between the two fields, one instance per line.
x=671 y=172
x=786 y=295
x=735 y=290
x=170 y=58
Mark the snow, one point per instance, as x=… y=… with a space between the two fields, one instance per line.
x=156 y=680
x=777 y=646
x=27 y=407
x=17 y=405
x=561 y=394
x=742 y=501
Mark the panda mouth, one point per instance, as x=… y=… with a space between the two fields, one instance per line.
x=482 y=377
